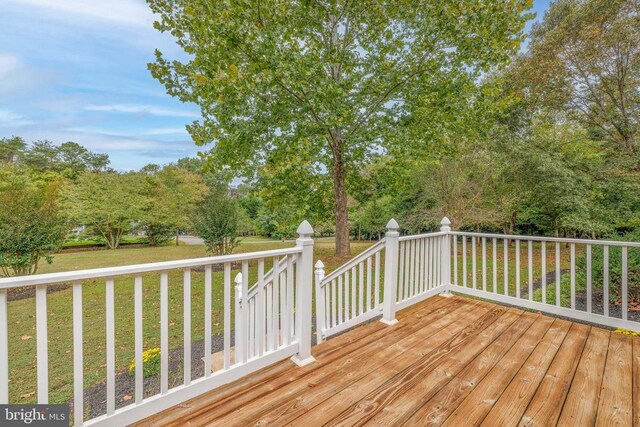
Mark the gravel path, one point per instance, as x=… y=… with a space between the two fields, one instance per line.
x=537 y=284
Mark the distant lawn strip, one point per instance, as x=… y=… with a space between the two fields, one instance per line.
x=22 y=339
x=99 y=243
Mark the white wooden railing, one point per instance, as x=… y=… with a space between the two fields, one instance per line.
x=510 y=269
x=541 y=273
x=271 y=324
x=349 y=295
x=412 y=264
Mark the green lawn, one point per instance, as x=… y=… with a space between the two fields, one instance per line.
x=512 y=267
x=22 y=340
x=93 y=242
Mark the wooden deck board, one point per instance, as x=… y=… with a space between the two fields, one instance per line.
x=581 y=405
x=514 y=400
x=449 y=361
x=546 y=405
x=435 y=411
x=477 y=405
x=296 y=401
x=615 y=408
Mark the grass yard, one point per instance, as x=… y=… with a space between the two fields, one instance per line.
x=499 y=278
x=540 y=294
x=22 y=340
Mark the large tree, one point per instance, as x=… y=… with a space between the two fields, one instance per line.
x=11 y=149
x=584 y=59
x=107 y=202
x=32 y=225
x=330 y=74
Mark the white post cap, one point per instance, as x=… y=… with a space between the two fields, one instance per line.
x=445 y=224
x=305 y=229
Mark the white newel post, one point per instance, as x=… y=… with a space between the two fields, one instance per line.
x=390 y=273
x=239 y=339
x=304 y=293
x=320 y=302
x=445 y=255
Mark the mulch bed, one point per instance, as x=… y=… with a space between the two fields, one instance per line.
x=95 y=396
x=597 y=299
x=24 y=292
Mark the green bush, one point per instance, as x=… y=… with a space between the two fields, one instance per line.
x=615 y=269
x=150 y=363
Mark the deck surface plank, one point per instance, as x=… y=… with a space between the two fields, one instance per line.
x=449 y=361
x=437 y=409
x=475 y=407
x=362 y=398
x=415 y=395
x=615 y=408
x=636 y=381
x=315 y=390
x=515 y=398
x=546 y=405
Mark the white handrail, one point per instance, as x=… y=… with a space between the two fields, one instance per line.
x=40 y=279
x=354 y=261
x=422 y=236
x=548 y=239
x=268 y=277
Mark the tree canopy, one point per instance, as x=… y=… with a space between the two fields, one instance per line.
x=329 y=79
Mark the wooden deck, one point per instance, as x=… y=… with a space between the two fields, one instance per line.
x=449 y=361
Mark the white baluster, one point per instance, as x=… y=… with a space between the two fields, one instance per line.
x=239 y=316
x=111 y=354
x=78 y=364
x=227 y=315
x=138 y=338
x=320 y=302
x=207 y=320
x=187 y=326
x=42 y=344
x=164 y=333
x=4 y=349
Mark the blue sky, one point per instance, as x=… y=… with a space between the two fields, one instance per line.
x=75 y=70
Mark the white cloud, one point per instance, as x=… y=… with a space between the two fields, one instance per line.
x=16 y=77
x=9 y=118
x=8 y=64
x=94 y=141
x=166 y=131
x=127 y=12
x=141 y=109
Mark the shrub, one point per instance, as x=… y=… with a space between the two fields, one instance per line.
x=215 y=219
x=150 y=363
x=615 y=269
x=32 y=225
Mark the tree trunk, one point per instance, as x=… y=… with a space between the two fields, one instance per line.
x=512 y=222
x=177 y=237
x=340 y=206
